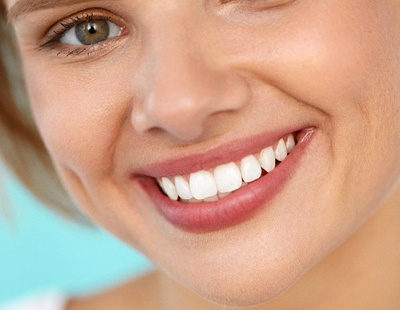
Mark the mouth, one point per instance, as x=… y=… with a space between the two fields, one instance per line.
x=217 y=183
x=211 y=199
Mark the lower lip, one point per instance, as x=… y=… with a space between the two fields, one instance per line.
x=233 y=209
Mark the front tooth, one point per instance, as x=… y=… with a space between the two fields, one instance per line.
x=228 y=178
x=280 y=150
x=169 y=188
x=290 y=143
x=250 y=169
x=183 y=188
x=267 y=159
x=202 y=185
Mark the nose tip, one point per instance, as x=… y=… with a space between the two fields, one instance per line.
x=180 y=119
x=181 y=106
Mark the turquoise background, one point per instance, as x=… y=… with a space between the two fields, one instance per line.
x=40 y=251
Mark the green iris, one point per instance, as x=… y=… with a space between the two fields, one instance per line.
x=92 y=32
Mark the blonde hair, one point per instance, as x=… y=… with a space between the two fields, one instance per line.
x=21 y=146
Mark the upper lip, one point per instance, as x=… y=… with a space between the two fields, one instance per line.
x=224 y=153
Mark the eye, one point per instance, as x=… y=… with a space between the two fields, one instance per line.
x=91 y=32
x=85 y=33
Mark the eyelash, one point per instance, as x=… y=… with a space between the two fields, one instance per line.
x=56 y=32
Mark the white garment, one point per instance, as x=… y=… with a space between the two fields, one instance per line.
x=52 y=301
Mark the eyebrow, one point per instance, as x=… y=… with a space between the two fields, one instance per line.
x=27 y=6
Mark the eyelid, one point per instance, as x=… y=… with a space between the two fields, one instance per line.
x=56 y=31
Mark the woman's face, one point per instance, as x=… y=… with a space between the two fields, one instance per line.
x=177 y=89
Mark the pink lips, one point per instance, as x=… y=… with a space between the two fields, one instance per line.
x=234 y=208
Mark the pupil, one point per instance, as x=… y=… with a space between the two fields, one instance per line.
x=92 y=28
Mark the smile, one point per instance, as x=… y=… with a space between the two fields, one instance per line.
x=214 y=184
x=211 y=199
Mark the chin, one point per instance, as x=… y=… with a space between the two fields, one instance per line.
x=246 y=293
x=243 y=287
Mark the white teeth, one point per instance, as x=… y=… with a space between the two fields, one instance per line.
x=202 y=185
x=280 y=150
x=169 y=188
x=290 y=143
x=267 y=159
x=183 y=188
x=228 y=178
x=250 y=168
x=224 y=179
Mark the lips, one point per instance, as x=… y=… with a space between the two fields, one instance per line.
x=219 y=197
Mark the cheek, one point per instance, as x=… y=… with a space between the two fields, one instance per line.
x=343 y=64
x=79 y=117
x=335 y=62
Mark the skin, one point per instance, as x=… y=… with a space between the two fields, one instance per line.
x=239 y=71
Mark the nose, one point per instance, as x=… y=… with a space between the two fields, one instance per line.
x=185 y=85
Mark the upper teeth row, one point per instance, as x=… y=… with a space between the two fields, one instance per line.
x=213 y=184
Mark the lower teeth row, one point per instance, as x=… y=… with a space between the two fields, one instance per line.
x=217 y=183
